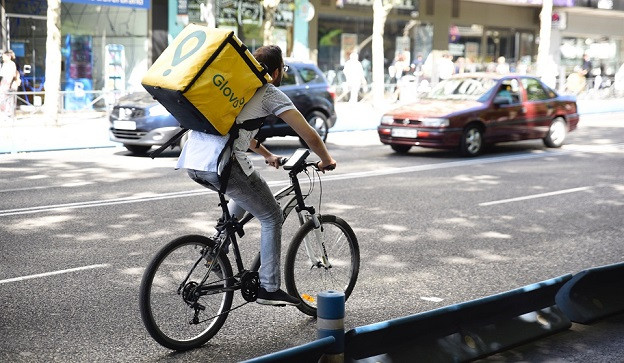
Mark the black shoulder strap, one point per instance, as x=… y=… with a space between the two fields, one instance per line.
x=170 y=142
x=249 y=125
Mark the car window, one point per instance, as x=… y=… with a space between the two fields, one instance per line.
x=535 y=91
x=509 y=90
x=289 y=77
x=309 y=75
x=461 y=88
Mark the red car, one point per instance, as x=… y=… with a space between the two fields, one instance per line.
x=473 y=110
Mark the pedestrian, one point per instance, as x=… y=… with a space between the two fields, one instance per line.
x=446 y=67
x=7 y=85
x=245 y=187
x=502 y=67
x=586 y=66
x=366 y=65
x=354 y=74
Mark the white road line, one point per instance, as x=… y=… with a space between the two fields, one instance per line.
x=326 y=178
x=542 y=195
x=22 y=278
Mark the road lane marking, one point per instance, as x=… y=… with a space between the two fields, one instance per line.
x=534 y=196
x=22 y=278
x=326 y=178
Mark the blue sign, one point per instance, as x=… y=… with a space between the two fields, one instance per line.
x=19 y=49
x=141 y=4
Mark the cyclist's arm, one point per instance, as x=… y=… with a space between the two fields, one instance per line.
x=298 y=123
x=269 y=157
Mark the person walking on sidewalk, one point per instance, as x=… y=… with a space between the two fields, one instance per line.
x=354 y=74
x=245 y=186
x=8 y=83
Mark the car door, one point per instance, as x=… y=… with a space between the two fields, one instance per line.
x=506 y=115
x=539 y=107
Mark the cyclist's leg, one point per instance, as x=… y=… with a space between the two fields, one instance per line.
x=253 y=194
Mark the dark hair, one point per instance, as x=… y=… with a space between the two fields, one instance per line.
x=270 y=56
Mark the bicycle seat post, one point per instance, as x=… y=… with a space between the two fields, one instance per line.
x=229 y=229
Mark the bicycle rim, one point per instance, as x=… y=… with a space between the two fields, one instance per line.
x=306 y=277
x=165 y=313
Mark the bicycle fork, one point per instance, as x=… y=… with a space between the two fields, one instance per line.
x=315 y=244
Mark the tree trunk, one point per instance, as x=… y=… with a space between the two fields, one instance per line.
x=380 y=13
x=53 y=61
x=543 y=50
x=268 y=23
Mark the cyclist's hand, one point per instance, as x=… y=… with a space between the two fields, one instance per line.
x=330 y=165
x=273 y=160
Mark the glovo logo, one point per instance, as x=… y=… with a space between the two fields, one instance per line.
x=222 y=84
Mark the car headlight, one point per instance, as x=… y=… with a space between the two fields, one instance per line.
x=435 y=122
x=158 y=110
x=387 y=120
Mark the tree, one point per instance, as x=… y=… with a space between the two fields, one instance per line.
x=53 y=60
x=543 y=50
x=381 y=9
x=268 y=23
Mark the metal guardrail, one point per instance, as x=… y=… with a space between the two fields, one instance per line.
x=83 y=100
x=474 y=329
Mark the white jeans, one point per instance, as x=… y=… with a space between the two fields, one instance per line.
x=252 y=193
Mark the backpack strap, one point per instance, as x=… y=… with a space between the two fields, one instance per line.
x=170 y=142
x=249 y=125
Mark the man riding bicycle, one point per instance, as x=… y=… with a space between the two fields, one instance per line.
x=244 y=185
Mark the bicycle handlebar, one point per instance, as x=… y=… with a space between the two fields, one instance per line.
x=300 y=156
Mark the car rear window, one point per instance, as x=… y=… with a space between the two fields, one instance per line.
x=309 y=75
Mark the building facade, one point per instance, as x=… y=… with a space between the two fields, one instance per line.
x=108 y=44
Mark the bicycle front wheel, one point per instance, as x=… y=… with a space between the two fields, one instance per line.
x=321 y=259
x=174 y=311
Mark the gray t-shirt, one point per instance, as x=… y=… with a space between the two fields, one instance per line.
x=201 y=151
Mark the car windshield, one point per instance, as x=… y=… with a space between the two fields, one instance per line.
x=461 y=89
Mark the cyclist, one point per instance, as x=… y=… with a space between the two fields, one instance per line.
x=249 y=191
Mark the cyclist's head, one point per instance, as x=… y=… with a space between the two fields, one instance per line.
x=271 y=57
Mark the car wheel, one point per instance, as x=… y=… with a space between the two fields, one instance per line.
x=318 y=121
x=472 y=141
x=137 y=149
x=401 y=149
x=556 y=133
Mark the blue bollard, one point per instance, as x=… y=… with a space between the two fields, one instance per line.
x=330 y=312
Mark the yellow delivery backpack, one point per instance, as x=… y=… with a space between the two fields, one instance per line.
x=204 y=78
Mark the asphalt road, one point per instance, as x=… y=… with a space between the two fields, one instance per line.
x=78 y=227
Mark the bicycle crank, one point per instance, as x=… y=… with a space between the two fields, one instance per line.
x=250 y=283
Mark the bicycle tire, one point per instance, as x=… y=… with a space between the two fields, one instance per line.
x=305 y=279
x=164 y=312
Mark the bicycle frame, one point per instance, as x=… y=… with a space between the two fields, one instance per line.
x=232 y=226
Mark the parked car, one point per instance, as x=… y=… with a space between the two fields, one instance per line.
x=473 y=110
x=140 y=122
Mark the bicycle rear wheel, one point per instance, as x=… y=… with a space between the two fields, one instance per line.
x=172 y=315
x=306 y=273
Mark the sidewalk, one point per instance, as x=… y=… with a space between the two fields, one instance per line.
x=76 y=130
x=89 y=129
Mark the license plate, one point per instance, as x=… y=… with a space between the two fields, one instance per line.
x=124 y=125
x=409 y=133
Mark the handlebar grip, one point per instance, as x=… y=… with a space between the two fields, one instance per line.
x=328 y=167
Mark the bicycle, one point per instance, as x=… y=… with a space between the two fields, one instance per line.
x=187 y=289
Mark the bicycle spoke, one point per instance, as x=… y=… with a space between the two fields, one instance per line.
x=179 y=310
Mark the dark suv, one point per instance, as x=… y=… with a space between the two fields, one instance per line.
x=139 y=122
